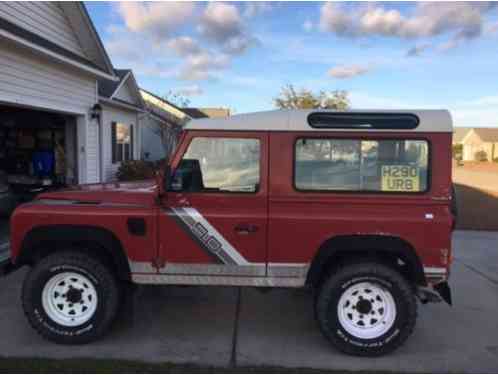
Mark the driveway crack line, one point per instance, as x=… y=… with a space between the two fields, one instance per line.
x=233 y=357
x=480 y=273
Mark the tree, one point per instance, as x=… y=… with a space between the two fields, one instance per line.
x=177 y=99
x=169 y=134
x=169 y=131
x=290 y=98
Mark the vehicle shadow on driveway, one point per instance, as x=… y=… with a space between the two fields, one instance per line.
x=477 y=209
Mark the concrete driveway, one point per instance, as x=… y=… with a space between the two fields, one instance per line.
x=477 y=179
x=244 y=327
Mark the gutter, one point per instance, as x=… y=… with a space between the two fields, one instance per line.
x=115 y=103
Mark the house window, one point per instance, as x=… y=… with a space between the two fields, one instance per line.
x=361 y=165
x=122 y=142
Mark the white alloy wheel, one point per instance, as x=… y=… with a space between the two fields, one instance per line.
x=69 y=299
x=366 y=310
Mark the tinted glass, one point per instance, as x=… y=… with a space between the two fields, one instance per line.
x=361 y=165
x=219 y=164
x=363 y=120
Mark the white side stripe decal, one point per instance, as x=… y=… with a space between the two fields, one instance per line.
x=209 y=237
x=213 y=242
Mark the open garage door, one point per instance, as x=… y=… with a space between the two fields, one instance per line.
x=37 y=153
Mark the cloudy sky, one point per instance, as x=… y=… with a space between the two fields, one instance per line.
x=239 y=55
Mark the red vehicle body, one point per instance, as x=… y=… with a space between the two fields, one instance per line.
x=275 y=235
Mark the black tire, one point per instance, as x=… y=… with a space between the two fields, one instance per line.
x=388 y=279
x=103 y=281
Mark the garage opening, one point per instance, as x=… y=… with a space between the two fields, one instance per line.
x=37 y=153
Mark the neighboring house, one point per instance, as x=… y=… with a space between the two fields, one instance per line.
x=459 y=133
x=51 y=60
x=207 y=112
x=160 y=126
x=480 y=139
x=122 y=113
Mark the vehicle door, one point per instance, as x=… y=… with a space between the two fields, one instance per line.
x=213 y=219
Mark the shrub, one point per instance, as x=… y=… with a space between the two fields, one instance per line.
x=133 y=170
x=481 y=156
x=457 y=151
x=495 y=160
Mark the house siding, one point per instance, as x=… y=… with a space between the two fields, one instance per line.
x=125 y=94
x=473 y=143
x=29 y=79
x=45 y=19
x=114 y=114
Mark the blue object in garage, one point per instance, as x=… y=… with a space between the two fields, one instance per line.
x=43 y=163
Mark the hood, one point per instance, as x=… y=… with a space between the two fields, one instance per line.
x=136 y=192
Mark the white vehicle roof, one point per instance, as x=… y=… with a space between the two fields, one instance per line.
x=433 y=121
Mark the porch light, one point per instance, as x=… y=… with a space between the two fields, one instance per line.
x=96 y=111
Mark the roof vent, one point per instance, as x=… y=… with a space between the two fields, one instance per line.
x=359 y=120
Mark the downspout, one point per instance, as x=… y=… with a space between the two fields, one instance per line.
x=101 y=149
x=101 y=135
x=138 y=137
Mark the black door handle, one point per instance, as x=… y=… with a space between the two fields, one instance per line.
x=246 y=228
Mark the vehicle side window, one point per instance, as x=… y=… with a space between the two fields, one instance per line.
x=361 y=165
x=219 y=165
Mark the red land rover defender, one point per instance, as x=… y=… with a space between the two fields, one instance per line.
x=357 y=206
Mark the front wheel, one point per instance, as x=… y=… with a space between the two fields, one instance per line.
x=366 y=309
x=70 y=298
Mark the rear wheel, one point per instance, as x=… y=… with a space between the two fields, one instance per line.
x=70 y=298
x=366 y=309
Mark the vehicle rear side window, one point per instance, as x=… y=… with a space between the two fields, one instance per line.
x=219 y=165
x=361 y=165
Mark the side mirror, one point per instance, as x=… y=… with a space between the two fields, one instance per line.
x=163 y=180
x=166 y=178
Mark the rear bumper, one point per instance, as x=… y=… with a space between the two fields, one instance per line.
x=435 y=293
x=435 y=275
x=437 y=288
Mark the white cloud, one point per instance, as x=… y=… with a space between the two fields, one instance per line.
x=464 y=20
x=348 y=71
x=182 y=58
x=198 y=63
x=123 y=49
x=239 y=44
x=126 y=50
x=201 y=66
x=158 y=19
x=334 y=19
x=222 y=24
x=184 y=46
x=154 y=28
x=308 y=26
x=193 y=90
